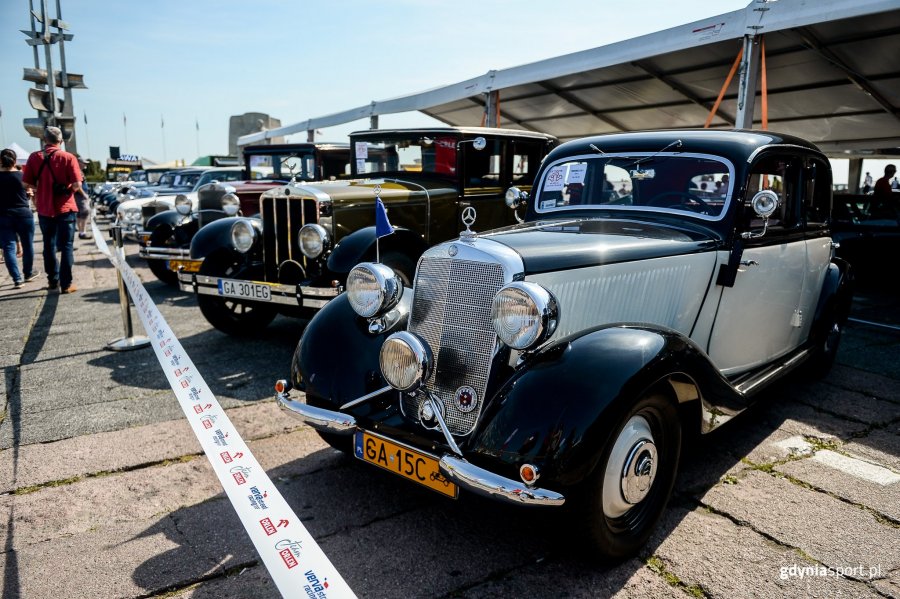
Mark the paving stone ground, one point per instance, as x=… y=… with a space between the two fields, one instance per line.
x=104 y=491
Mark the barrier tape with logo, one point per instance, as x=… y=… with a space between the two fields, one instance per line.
x=296 y=563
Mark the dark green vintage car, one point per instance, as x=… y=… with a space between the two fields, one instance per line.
x=295 y=255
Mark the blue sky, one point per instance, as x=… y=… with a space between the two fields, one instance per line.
x=206 y=60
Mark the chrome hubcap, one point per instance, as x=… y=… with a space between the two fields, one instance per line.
x=640 y=469
x=631 y=468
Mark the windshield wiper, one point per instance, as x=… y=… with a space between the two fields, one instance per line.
x=677 y=143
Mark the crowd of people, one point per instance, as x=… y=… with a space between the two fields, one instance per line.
x=53 y=183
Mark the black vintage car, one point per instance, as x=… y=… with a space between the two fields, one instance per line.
x=166 y=238
x=561 y=360
x=295 y=257
x=868 y=231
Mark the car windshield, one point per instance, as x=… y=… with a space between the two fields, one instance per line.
x=300 y=164
x=220 y=176
x=166 y=180
x=419 y=154
x=680 y=183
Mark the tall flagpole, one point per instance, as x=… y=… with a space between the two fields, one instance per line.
x=197 y=127
x=162 y=126
x=125 y=127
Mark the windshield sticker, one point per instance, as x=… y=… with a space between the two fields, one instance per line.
x=576 y=173
x=556 y=178
x=360 y=165
x=362 y=150
x=548 y=204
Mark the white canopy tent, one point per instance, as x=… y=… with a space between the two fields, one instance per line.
x=831 y=70
x=21 y=153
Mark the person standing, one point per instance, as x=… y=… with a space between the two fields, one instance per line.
x=16 y=221
x=57 y=177
x=883 y=188
x=867 y=183
x=81 y=200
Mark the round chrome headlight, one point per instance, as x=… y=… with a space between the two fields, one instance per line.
x=524 y=315
x=131 y=214
x=313 y=240
x=230 y=204
x=182 y=204
x=243 y=234
x=373 y=289
x=406 y=361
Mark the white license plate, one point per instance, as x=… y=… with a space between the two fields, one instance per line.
x=245 y=290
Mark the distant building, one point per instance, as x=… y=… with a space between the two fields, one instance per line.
x=247 y=123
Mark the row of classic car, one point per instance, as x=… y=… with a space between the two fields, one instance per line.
x=296 y=255
x=167 y=235
x=528 y=332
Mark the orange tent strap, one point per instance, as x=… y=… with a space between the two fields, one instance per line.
x=731 y=73
x=764 y=91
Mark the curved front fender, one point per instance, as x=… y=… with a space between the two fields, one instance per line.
x=214 y=236
x=169 y=217
x=336 y=359
x=359 y=246
x=560 y=408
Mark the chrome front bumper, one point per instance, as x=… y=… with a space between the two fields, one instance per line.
x=286 y=295
x=466 y=475
x=164 y=253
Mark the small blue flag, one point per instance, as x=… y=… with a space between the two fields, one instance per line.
x=382 y=224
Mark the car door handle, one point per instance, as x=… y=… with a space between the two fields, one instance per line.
x=749 y=263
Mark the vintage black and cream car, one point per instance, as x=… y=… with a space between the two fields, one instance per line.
x=660 y=282
x=295 y=257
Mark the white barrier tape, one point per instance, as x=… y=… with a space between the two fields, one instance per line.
x=293 y=558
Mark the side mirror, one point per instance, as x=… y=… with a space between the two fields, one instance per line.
x=515 y=197
x=764 y=204
x=479 y=143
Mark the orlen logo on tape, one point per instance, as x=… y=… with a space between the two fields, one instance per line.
x=230 y=457
x=289 y=551
x=240 y=474
x=268 y=527
x=207 y=421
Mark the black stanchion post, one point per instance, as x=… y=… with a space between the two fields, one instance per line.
x=129 y=341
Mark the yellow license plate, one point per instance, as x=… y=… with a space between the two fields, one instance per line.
x=185 y=265
x=400 y=459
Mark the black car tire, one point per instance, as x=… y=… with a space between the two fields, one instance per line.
x=618 y=536
x=229 y=316
x=826 y=346
x=401 y=264
x=162 y=237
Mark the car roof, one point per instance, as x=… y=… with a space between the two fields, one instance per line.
x=739 y=145
x=467 y=131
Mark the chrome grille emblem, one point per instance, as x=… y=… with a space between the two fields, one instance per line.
x=451 y=311
x=468 y=218
x=466 y=399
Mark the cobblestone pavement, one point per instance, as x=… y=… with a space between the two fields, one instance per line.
x=104 y=493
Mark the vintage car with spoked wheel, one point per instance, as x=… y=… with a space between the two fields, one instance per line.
x=295 y=256
x=561 y=361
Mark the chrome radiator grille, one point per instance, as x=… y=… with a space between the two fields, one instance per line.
x=282 y=218
x=451 y=311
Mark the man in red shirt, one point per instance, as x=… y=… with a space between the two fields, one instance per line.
x=57 y=177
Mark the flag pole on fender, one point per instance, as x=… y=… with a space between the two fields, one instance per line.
x=382 y=224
